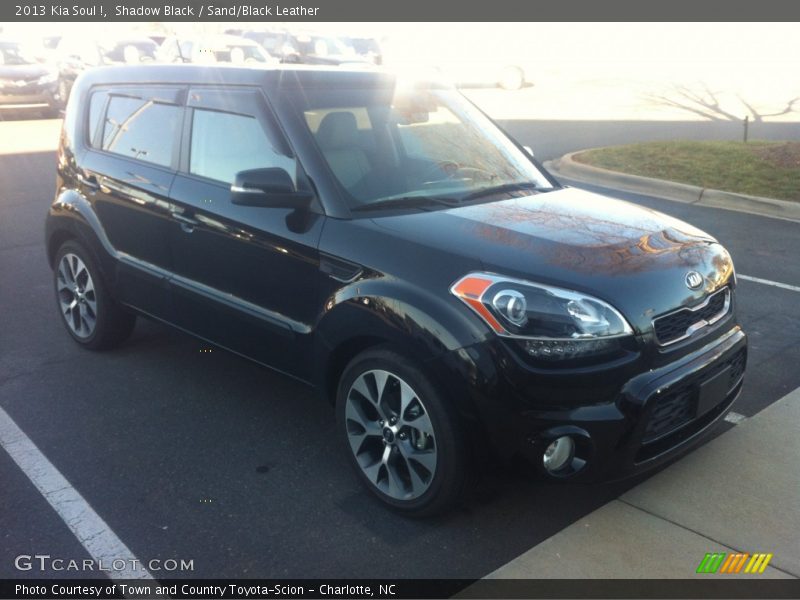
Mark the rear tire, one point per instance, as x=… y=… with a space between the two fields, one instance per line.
x=91 y=316
x=401 y=435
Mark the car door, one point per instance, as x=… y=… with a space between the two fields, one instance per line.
x=127 y=173
x=245 y=277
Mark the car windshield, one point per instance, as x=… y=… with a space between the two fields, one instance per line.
x=12 y=53
x=393 y=143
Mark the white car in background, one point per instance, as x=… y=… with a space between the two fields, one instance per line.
x=213 y=49
x=479 y=72
x=462 y=62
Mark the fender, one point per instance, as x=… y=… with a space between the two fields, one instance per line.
x=376 y=310
x=71 y=216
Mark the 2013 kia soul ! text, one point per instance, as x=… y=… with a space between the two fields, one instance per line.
x=387 y=243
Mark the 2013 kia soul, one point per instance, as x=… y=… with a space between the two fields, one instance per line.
x=386 y=242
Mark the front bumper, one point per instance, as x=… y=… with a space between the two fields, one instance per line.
x=623 y=421
x=659 y=414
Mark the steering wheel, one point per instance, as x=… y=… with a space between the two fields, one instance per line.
x=451 y=169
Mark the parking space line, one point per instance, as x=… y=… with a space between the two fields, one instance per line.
x=92 y=531
x=785 y=286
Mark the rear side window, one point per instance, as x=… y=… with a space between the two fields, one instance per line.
x=97 y=106
x=225 y=143
x=142 y=129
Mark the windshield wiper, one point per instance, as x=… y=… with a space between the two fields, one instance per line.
x=501 y=189
x=407 y=202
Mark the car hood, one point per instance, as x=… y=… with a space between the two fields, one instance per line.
x=25 y=72
x=633 y=257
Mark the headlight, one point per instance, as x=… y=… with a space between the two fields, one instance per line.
x=547 y=321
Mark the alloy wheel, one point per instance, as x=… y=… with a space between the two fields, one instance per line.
x=76 y=295
x=391 y=434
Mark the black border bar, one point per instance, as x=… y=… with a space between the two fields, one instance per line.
x=404 y=11
x=712 y=586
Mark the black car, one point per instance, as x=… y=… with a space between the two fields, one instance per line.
x=385 y=242
x=24 y=81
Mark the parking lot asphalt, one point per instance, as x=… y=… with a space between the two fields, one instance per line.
x=207 y=457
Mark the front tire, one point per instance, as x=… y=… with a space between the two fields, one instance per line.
x=401 y=436
x=91 y=316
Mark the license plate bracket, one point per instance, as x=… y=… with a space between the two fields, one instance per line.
x=712 y=391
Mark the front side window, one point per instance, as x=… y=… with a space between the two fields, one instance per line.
x=142 y=129
x=385 y=142
x=224 y=143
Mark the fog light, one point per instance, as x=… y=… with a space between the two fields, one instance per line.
x=559 y=454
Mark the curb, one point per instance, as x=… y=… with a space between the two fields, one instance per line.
x=569 y=168
x=705 y=502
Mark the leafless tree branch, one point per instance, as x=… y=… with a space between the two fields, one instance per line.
x=703 y=101
x=759 y=117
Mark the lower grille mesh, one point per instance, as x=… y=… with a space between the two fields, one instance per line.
x=678 y=406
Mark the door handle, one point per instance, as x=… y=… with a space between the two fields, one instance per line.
x=187 y=223
x=90 y=181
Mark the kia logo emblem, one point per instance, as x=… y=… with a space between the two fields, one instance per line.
x=693 y=280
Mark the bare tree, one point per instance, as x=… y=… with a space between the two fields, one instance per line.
x=759 y=117
x=703 y=101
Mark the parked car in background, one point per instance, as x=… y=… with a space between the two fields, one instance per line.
x=308 y=48
x=320 y=49
x=25 y=82
x=128 y=50
x=74 y=55
x=367 y=48
x=278 y=43
x=462 y=62
x=210 y=49
x=481 y=73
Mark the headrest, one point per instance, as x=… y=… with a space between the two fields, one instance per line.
x=338 y=130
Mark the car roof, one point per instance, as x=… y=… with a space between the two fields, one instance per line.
x=283 y=75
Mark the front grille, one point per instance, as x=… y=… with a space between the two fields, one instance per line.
x=677 y=407
x=682 y=323
x=672 y=410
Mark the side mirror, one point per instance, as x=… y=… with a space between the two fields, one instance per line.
x=270 y=187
